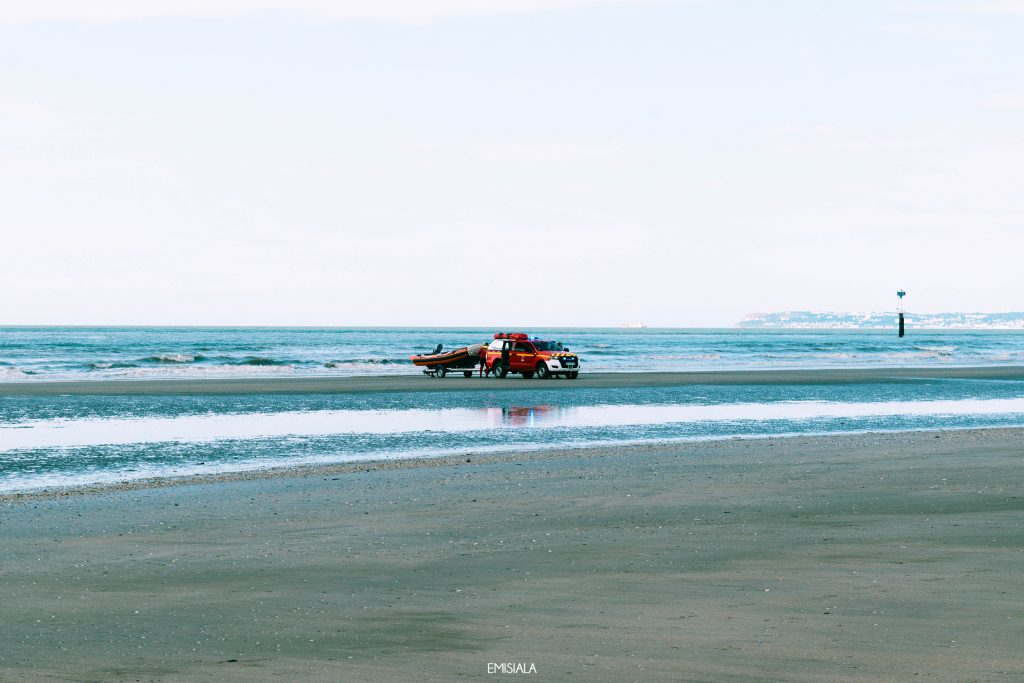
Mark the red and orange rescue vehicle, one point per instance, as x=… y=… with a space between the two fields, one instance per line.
x=515 y=352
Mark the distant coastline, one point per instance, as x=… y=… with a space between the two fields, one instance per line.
x=795 y=320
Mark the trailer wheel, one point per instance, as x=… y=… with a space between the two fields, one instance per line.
x=467 y=373
x=542 y=370
x=441 y=371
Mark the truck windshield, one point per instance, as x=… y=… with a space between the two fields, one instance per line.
x=547 y=346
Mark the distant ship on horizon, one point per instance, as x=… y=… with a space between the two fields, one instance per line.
x=633 y=326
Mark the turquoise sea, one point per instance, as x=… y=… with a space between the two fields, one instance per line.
x=48 y=441
x=28 y=353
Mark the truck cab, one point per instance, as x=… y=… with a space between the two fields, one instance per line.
x=515 y=352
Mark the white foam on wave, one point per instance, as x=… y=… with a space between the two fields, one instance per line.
x=175 y=358
x=938 y=350
x=187 y=371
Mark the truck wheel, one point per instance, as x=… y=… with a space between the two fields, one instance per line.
x=441 y=371
x=467 y=373
x=499 y=370
x=542 y=371
x=573 y=375
x=527 y=375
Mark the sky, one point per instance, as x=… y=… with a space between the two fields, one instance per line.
x=504 y=162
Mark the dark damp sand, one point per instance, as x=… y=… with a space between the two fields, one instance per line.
x=456 y=382
x=861 y=557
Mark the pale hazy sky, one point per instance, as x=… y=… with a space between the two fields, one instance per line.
x=506 y=162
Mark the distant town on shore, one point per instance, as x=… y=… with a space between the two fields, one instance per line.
x=883 y=320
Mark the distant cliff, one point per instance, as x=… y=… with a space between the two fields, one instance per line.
x=874 y=321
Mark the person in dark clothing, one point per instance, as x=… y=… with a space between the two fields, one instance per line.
x=506 y=354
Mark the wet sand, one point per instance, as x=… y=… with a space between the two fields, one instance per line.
x=860 y=557
x=456 y=382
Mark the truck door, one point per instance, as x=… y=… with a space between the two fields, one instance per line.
x=505 y=355
x=523 y=355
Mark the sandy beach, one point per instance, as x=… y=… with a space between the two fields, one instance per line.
x=418 y=382
x=860 y=557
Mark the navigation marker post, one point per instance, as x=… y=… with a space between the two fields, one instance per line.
x=901 y=294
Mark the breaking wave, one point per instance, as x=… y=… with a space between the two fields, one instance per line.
x=698 y=356
x=108 y=365
x=175 y=358
x=937 y=350
x=9 y=372
x=365 y=361
x=190 y=371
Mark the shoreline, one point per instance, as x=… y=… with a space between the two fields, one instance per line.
x=422 y=383
x=304 y=471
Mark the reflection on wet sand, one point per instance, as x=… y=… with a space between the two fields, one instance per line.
x=67 y=433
